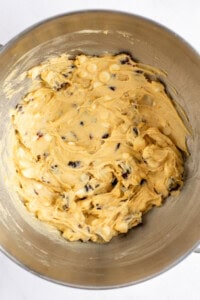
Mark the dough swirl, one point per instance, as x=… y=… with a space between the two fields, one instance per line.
x=97 y=144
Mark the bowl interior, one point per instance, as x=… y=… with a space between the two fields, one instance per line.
x=168 y=233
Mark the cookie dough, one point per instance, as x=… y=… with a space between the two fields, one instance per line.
x=97 y=143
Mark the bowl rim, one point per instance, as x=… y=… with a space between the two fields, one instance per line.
x=4 y=48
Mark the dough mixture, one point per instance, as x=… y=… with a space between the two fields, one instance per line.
x=97 y=143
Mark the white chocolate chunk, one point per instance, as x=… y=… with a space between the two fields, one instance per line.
x=84 y=177
x=104 y=76
x=48 y=137
x=107 y=98
x=34 y=138
x=82 y=59
x=28 y=173
x=139 y=143
x=83 y=74
x=21 y=152
x=39 y=186
x=97 y=84
x=114 y=67
x=92 y=68
x=81 y=192
x=37 y=116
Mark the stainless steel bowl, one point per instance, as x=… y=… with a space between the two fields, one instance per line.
x=169 y=233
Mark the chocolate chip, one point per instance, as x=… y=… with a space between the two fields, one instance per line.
x=16 y=131
x=54 y=167
x=112 y=88
x=88 y=229
x=173 y=185
x=36 y=192
x=81 y=123
x=63 y=137
x=58 y=86
x=125 y=60
x=143 y=181
x=44 y=180
x=90 y=136
x=140 y=224
x=117 y=146
x=126 y=174
x=65 y=207
x=38 y=157
x=19 y=107
x=128 y=218
x=123 y=200
x=64 y=84
x=135 y=130
x=74 y=134
x=83 y=198
x=114 y=182
x=105 y=135
x=74 y=164
x=138 y=71
x=39 y=134
x=88 y=187
x=148 y=77
x=135 y=106
x=45 y=154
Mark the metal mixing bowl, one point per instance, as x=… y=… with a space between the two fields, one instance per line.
x=169 y=233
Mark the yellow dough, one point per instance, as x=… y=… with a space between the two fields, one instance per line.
x=97 y=144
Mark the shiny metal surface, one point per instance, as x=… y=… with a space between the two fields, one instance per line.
x=168 y=233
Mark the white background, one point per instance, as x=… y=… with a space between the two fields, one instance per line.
x=181 y=282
